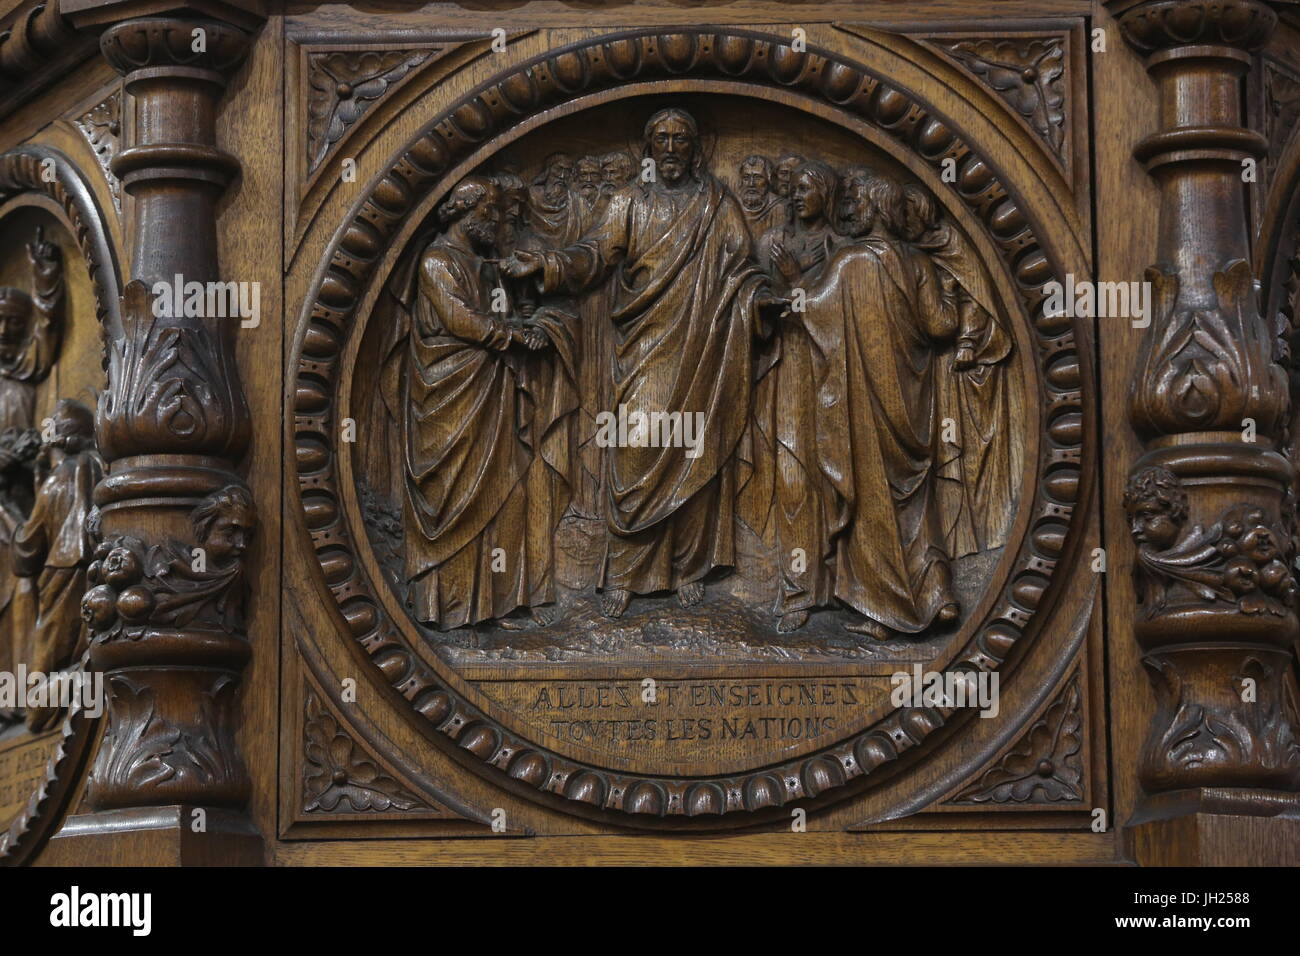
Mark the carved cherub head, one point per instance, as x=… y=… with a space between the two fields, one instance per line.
x=224 y=523
x=755 y=182
x=474 y=210
x=672 y=140
x=15 y=322
x=1156 y=505
x=785 y=167
x=813 y=192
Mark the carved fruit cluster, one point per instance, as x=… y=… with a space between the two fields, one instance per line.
x=117 y=597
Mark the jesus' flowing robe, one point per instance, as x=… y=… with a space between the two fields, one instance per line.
x=877 y=319
x=684 y=320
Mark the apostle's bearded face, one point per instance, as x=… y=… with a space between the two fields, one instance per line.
x=808 y=198
x=855 y=209
x=483 y=222
x=617 y=170
x=512 y=217
x=672 y=147
x=557 y=181
x=785 y=175
x=589 y=178
x=754 y=186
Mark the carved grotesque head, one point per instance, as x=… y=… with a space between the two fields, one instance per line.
x=855 y=213
x=813 y=192
x=72 y=427
x=672 y=140
x=589 y=176
x=1156 y=505
x=15 y=322
x=224 y=523
x=616 y=170
x=474 y=204
x=755 y=182
x=785 y=167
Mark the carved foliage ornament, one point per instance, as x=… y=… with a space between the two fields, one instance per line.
x=339 y=776
x=343 y=85
x=1027 y=74
x=102 y=127
x=1045 y=766
x=560 y=75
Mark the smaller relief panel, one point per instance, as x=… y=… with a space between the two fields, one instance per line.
x=676 y=429
x=56 y=276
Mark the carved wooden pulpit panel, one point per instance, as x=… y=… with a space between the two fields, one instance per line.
x=430 y=434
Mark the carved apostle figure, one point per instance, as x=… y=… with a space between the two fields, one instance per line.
x=554 y=211
x=785 y=502
x=877 y=319
x=763 y=209
x=55 y=544
x=31 y=328
x=473 y=431
x=783 y=181
x=686 y=308
x=617 y=170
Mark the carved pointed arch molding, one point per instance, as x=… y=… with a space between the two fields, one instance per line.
x=753 y=64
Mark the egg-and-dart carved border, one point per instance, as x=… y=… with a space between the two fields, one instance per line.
x=548 y=80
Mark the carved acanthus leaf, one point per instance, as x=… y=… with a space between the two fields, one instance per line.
x=340 y=776
x=1045 y=764
x=343 y=85
x=1027 y=74
x=102 y=127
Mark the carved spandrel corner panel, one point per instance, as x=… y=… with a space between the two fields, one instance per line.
x=58 y=281
x=684 y=421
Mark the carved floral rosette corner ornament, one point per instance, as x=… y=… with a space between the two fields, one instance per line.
x=354 y=556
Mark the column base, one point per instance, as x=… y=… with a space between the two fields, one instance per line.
x=155 y=836
x=1216 y=827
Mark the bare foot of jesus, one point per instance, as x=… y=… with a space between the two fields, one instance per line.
x=870 y=628
x=792 y=621
x=691 y=594
x=614 y=602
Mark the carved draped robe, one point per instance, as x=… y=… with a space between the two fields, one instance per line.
x=785 y=502
x=54 y=546
x=481 y=469
x=877 y=319
x=682 y=308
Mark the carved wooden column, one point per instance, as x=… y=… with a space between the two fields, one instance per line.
x=1210 y=502
x=165 y=604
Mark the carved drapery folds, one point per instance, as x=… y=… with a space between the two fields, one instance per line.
x=164 y=604
x=1211 y=503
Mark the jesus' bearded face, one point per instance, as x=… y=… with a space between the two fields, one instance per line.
x=672 y=147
